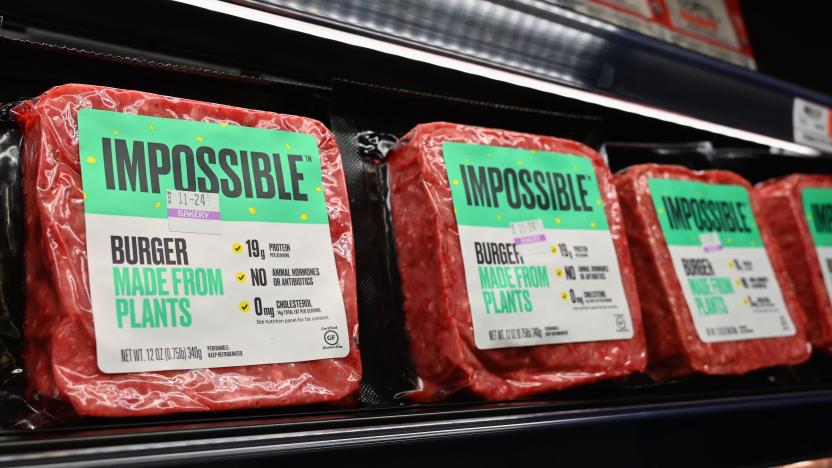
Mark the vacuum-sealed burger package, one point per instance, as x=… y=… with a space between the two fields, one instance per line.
x=184 y=256
x=514 y=265
x=713 y=287
x=798 y=210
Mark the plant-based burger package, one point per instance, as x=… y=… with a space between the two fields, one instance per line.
x=798 y=210
x=713 y=286
x=184 y=256
x=514 y=264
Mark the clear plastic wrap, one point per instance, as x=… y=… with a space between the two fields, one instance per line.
x=60 y=349
x=783 y=210
x=438 y=315
x=674 y=346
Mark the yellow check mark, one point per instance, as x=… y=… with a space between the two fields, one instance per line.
x=244 y=306
x=241 y=277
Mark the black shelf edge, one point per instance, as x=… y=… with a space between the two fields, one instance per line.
x=400 y=426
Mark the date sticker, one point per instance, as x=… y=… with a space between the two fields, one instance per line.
x=529 y=238
x=710 y=242
x=196 y=212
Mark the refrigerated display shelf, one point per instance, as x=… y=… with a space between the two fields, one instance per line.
x=536 y=44
x=529 y=44
x=201 y=440
x=765 y=418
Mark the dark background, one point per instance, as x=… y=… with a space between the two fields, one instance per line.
x=791 y=40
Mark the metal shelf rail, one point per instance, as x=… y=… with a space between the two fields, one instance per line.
x=223 y=438
x=536 y=44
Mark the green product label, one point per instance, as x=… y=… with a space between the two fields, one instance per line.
x=817 y=207
x=540 y=263
x=129 y=161
x=687 y=210
x=726 y=277
x=208 y=245
x=495 y=186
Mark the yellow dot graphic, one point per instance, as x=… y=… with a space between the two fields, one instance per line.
x=593 y=224
x=90 y=159
x=244 y=306
x=252 y=210
x=467 y=160
x=730 y=264
x=157 y=205
x=115 y=132
x=240 y=277
x=223 y=124
x=237 y=248
x=745 y=301
x=499 y=217
x=304 y=216
x=519 y=162
x=558 y=272
x=151 y=127
x=557 y=220
x=738 y=282
x=288 y=147
x=318 y=189
x=456 y=181
x=200 y=139
x=554 y=249
x=533 y=151
x=660 y=210
x=599 y=202
x=564 y=296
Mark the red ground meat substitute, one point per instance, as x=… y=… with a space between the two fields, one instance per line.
x=782 y=205
x=59 y=335
x=438 y=313
x=674 y=347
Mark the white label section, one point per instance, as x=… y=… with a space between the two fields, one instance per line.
x=176 y=316
x=572 y=293
x=810 y=122
x=825 y=260
x=732 y=293
x=196 y=212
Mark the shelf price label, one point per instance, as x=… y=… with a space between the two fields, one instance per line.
x=811 y=123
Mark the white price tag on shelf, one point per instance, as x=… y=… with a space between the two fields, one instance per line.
x=812 y=126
